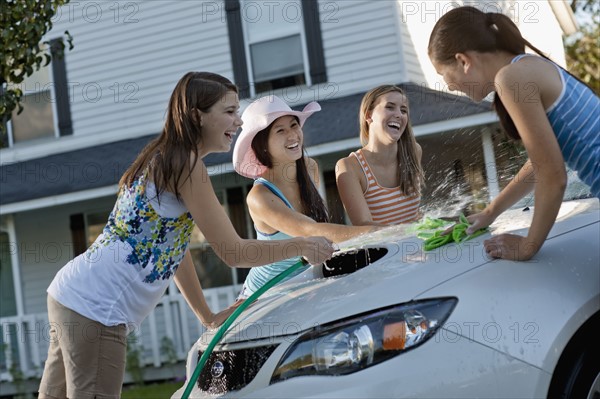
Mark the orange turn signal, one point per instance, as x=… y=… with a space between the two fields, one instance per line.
x=394 y=336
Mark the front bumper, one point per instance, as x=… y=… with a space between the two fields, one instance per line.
x=447 y=366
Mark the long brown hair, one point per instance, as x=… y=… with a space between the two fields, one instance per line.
x=312 y=203
x=469 y=29
x=167 y=159
x=410 y=172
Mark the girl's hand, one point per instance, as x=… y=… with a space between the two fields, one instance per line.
x=219 y=318
x=480 y=220
x=510 y=246
x=317 y=250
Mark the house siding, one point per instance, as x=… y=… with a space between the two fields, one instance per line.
x=412 y=65
x=125 y=65
x=42 y=252
x=45 y=245
x=360 y=44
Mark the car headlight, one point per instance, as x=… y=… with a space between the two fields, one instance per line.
x=350 y=345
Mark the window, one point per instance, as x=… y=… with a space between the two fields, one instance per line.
x=275 y=44
x=37 y=118
x=273 y=34
x=94 y=224
x=46 y=108
x=277 y=63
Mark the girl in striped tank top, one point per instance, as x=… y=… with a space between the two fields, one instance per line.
x=380 y=184
x=552 y=112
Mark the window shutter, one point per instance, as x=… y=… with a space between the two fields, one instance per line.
x=61 y=90
x=314 y=41
x=3 y=136
x=236 y=44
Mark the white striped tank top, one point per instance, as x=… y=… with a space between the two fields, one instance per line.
x=387 y=205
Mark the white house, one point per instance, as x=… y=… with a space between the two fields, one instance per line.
x=88 y=115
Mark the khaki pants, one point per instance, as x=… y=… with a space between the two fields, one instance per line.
x=86 y=359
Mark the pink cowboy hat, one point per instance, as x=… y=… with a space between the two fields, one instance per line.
x=257 y=116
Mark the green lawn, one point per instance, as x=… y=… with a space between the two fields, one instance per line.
x=152 y=391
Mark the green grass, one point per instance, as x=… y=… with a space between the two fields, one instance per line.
x=152 y=391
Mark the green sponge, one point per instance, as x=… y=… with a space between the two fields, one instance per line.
x=435 y=239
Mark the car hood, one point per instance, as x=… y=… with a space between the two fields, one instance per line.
x=404 y=273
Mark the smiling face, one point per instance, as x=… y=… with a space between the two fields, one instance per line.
x=285 y=140
x=388 y=118
x=220 y=123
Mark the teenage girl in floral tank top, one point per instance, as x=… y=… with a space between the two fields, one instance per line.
x=104 y=293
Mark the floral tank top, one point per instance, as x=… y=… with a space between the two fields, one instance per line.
x=125 y=272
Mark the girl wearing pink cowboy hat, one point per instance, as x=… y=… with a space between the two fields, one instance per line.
x=284 y=201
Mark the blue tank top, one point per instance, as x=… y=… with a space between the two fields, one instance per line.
x=575 y=119
x=259 y=276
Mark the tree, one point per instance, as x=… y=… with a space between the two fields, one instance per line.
x=24 y=23
x=582 y=48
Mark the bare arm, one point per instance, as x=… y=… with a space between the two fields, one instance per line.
x=313 y=171
x=520 y=89
x=348 y=179
x=200 y=199
x=520 y=185
x=189 y=285
x=267 y=209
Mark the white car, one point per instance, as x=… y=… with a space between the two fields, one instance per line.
x=449 y=323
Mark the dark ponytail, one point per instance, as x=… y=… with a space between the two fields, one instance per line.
x=508 y=38
x=312 y=202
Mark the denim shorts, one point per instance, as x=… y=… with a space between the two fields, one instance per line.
x=86 y=359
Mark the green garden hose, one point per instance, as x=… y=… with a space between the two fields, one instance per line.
x=230 y=320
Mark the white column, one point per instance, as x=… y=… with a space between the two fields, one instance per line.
x=9 y=227
x=489 y=159
x=153 y=339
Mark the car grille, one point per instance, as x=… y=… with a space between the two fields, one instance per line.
x=232 y=370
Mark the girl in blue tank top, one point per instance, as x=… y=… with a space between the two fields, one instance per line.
x=554 y=114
